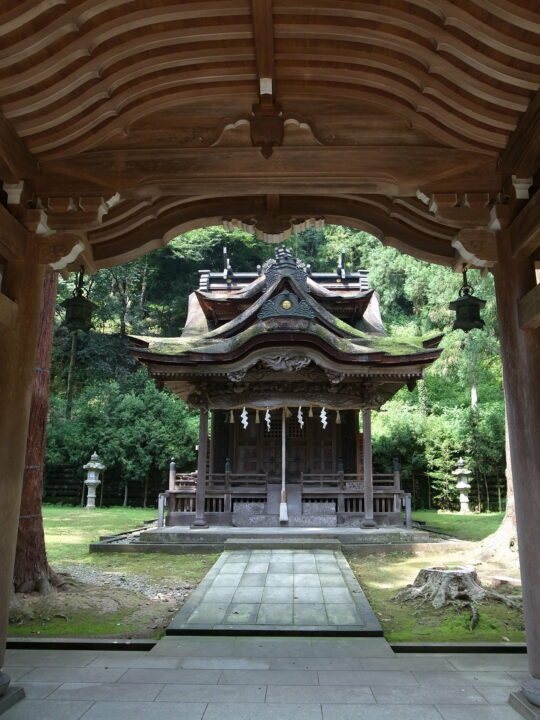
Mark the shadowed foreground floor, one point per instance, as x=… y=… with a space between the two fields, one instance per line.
x=258 y=678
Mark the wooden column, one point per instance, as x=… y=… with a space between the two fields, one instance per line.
x=23 y=284
x=368 y=521
x=520 y=351
x=199 y=521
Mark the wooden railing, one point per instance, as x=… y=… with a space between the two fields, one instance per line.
x=345 y=491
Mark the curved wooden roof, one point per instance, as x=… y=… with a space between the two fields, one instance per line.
x=131 y=120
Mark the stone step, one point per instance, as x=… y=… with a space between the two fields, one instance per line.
x=282 y=543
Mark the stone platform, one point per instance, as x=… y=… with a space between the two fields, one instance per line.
x=262 y=592
x=177 y=539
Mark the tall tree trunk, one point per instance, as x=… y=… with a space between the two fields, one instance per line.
x=125 y=495
x=504 y=539
x=32 y=571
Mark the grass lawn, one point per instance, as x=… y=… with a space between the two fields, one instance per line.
x=382 y=576
x=69 y=530
x=472 y=527
x=99 y=610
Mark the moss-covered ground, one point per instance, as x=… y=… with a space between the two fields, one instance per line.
x=104 y=611
x=99 y=610
x=474 y=526
x=382 y=576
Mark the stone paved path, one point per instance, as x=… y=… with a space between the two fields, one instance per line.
x=264 y=678
x=262 y=591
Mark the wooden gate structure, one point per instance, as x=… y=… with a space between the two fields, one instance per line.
x=125 y=123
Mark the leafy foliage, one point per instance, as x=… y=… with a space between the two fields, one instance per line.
x=457 y=410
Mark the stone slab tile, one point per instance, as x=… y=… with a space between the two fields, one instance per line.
x=279 y=579
x=178 y=677
x=249 y=594
x=17 y=672
x=494 y=712
x=461 y=677
x=75 y=674
x=330 y=694
x=106 y=691
x=268 y=677
x=364 y=647
x=232 y=663
x=242 y=613
x=236 y=711
x=352 y=664
x=47 y=710
x=379 y=712
x=434 y=695
x=39 y=691
x=306 y=614
x=343 y=614
x=277 y=595
x=253 y=580
x=308 y=595
x=118 y=660
x=488 y=661
x=212 y=693
x=303 y=580
x=367 y=677
x=275 y=614
x=50 y=658
x=144 y=711
x=496 y=694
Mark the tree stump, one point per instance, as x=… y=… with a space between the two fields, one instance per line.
x=458 y=587
x=442 y=586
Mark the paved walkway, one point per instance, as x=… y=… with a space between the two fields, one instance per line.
x=264 y=678
x=271 y=591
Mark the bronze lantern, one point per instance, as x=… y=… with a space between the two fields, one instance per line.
x=78 y=308
x=467 y=308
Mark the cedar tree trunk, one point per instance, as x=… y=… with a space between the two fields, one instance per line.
x=32 y=571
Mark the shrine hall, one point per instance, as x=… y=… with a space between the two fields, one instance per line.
x=126 y=123
x=285 y=359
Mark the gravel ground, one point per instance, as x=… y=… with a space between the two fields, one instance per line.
x=91 y=576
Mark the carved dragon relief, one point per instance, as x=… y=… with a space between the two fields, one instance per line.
x=349 y=395
x=286 y=362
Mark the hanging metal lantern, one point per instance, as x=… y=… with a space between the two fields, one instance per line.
x=78 y=308
x=467 y=308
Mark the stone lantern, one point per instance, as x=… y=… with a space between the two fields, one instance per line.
x=93 y=469
x=462 y=485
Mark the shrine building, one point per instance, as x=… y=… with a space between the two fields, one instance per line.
x=285 y=360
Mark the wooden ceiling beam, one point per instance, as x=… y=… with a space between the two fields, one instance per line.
x=263 y=39
x=389 y=170
x=13 y=236
x=529 y=309
x=522 y=153
x=16 y=161
x=525 y=228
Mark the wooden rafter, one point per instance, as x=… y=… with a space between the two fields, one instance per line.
x=263 y=39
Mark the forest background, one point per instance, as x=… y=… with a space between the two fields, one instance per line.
x=457 y=411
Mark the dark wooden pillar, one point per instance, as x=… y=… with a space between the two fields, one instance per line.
x=199 y=521
x=22 y=287
x=520 y=351
x=368 y=521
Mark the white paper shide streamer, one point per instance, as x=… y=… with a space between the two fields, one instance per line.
x=244 y=418
x=268 y=419
x=324 y=418
x=300 y=417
